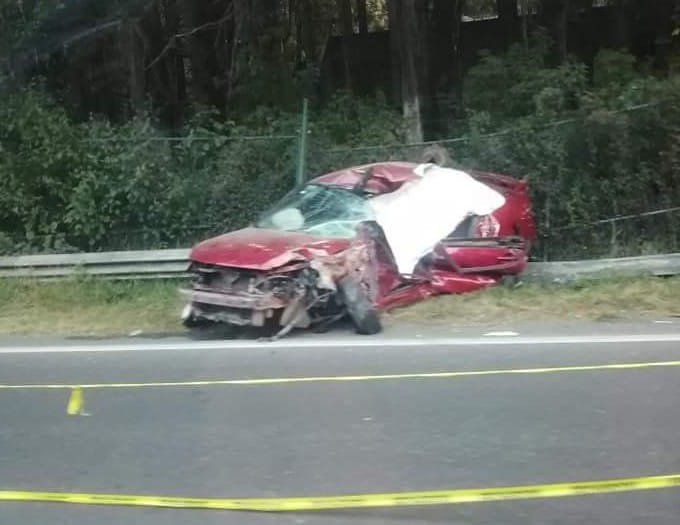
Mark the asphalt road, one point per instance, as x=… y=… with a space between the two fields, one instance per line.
x=332 y=438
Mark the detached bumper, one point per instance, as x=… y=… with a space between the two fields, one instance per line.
x=246 y=302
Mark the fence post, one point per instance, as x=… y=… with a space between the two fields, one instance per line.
x=613 y=247
x=302 y=146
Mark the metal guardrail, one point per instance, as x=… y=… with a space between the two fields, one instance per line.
x=159 y=264
x=151 y=264
x=565 y=271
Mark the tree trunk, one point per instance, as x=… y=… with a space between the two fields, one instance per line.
x=133 y=55
x=394 y=22
x=345 y=15
x=409 y=40
x=554 y=16
x=166 y=77
x=622 y=26
x=525 y=23
x=362 y=15
x=587 y=39
x=270 y=37
x=441 y=63
x=561 y=30
x=200 y=52
x=458 y=76
x=446 y=66
x=307 y=35
x=507 y=17
x=240 y=49
x=442 y=46
x=174 y=69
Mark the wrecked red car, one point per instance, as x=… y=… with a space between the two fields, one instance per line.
x=359 y=241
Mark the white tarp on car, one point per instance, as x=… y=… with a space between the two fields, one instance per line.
x=422 y=212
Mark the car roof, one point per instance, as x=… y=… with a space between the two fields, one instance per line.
x=389 y=176
x=391 y=173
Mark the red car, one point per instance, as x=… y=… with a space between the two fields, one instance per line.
x=359 y=241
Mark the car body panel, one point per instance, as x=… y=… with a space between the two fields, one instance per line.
x=385 y=176
x=260 y=249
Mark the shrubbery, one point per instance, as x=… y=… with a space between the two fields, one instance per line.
x=92 y=186
x=591 y=148
x=590 y=152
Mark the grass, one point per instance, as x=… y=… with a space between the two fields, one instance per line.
x=584 y=300
x=88 y=307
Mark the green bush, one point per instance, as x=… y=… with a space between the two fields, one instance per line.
x=590 y=153
x=518 y=84
x=589 y=150
x=96 y=186
x=39 y=152
x=613 y=69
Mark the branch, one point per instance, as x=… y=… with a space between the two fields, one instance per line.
x=171 y=42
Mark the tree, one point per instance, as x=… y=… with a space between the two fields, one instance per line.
x=445 y=48
x=554 y=18
x=407 y=42
x=508 y=17
x=345 y=16
x=524 y=9
x=362 y=16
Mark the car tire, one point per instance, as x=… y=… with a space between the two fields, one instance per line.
x=364 y=315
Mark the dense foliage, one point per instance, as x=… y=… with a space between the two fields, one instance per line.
x=196 y=123
x=590 y=152
x=93 y=185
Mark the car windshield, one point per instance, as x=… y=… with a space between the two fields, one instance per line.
x=318 y=210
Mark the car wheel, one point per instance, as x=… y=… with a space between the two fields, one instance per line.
x=364 y=315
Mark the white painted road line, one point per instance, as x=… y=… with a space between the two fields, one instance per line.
x=362 y=342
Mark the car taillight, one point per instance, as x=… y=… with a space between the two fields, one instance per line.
x=487 y=226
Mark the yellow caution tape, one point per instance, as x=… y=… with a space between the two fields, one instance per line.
x=398 y=499
x=75 y=402
x=353 y=378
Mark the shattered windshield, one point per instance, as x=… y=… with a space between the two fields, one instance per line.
x=318 y=210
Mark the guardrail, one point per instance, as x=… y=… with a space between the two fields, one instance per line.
x=564 y=271
x=160 y=264
x=151 y=264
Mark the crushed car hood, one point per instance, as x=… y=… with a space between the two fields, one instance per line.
x=260 y=249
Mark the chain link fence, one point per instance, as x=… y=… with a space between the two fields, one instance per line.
x=604 y=185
